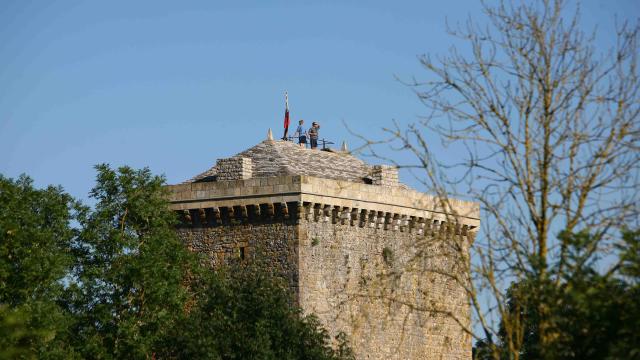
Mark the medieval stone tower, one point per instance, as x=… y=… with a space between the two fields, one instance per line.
x=368 y=255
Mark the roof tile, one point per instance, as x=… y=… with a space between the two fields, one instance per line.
x=276 y=158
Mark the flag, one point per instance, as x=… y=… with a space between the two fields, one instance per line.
x=286 y=115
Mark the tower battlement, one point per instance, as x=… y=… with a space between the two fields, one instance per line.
x=368 y=255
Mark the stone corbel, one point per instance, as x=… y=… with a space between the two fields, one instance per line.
x=203 y=217
x=404 y=221
x=187 y=217
x=284 y=210
x=231 y=214
x=420 y=226
x=345 y=215
x=364 y=217
x=317 y=212
x=244 y=213
x=429 y=226
x=373 y=219
x=353 y=217
x=326 y=213
x=300 y=211
x=335 y=214
x=217 y=216
x=382 y=220
x=412 y=224
x=308 y=211
x=436 y=226
x=395 y=222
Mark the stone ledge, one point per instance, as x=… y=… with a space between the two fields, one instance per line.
x=309 y=189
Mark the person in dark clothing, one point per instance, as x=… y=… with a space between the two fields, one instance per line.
x=313 y=135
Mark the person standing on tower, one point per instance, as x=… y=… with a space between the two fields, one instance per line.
x=301 y=133
x=313 y=135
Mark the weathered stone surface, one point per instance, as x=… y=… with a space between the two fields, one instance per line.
x=400 y=200
x=384 y=175
x=275 y=241
x=386 y=289
x=235 y=168
x=277 y=158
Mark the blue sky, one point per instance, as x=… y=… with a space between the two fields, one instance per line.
x=173 y=85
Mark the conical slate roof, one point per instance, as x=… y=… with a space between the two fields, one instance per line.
x=277 y=157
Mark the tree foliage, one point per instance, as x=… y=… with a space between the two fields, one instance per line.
x=253 y=309
x=115 y=281
x=132 y=267
x=35 y=258
x=595 y=316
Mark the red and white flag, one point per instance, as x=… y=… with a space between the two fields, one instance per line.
x=286 y=115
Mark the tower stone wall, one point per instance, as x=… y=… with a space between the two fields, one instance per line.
x=383 y=291
x=374 y=259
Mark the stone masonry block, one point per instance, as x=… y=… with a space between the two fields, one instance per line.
x=235 y=168
x=384 y=175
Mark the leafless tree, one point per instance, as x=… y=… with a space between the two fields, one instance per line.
x=547 y=130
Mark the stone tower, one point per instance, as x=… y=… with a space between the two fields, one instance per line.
x=368 y=255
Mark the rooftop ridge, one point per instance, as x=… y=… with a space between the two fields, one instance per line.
x=279 y=157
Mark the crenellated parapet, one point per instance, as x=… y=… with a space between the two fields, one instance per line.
x=294 y=198
x=293 y=212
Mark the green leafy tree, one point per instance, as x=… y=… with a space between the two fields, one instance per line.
x=35 y=258
x=246 y=312
x=139 y=293
x=122 y=285
x=593 y=315
x=132 y=268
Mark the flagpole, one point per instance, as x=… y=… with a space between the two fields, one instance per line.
x=286 y=115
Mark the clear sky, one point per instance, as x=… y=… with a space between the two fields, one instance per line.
x=173 y=85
